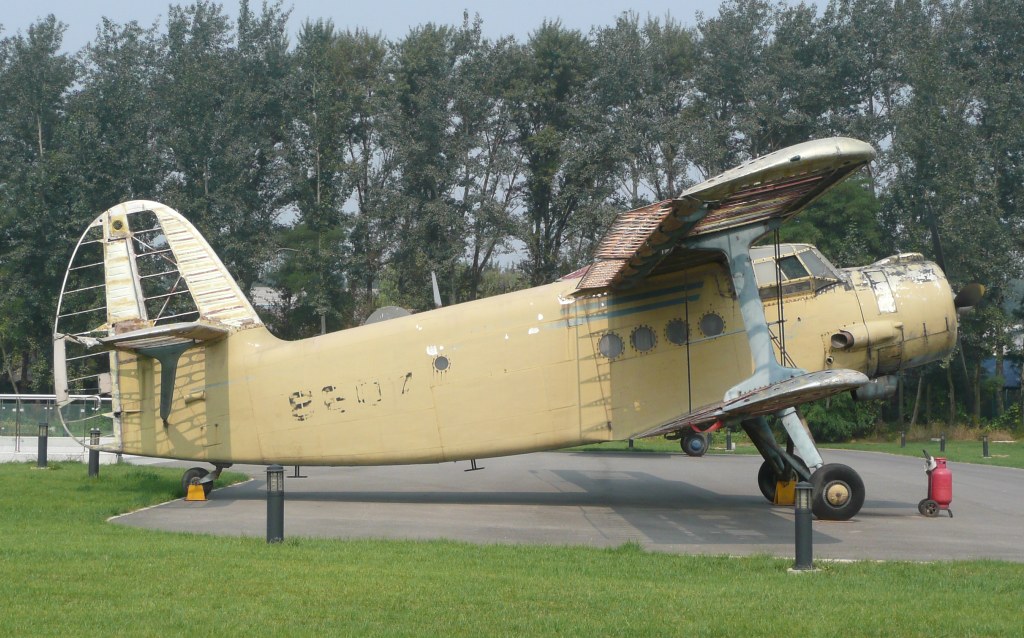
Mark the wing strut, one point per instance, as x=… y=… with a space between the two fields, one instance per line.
x=769 y=375
x=735 y=245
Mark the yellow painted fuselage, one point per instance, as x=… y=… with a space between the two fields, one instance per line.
x=531 y=370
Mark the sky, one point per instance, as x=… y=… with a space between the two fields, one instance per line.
x=392 y=18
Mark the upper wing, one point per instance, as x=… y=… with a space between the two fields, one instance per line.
x=655 y=239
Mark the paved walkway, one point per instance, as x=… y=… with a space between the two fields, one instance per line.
x=669 y=503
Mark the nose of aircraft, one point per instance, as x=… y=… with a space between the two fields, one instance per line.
x=909 y=315
x=923 y=307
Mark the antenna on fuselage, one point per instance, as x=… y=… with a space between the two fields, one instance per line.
x=437 y=292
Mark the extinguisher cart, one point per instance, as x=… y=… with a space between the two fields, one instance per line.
x=940 y=487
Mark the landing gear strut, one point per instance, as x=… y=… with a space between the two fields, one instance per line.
x=838 y=490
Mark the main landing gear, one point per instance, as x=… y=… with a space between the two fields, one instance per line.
x=838 y=490
x=201 y=476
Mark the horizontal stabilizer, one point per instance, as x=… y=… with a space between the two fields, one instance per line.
x=170 y=334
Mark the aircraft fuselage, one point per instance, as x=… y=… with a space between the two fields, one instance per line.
x=526 y=371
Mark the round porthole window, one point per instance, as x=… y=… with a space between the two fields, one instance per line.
x=643 y=338
x=610 y=345
x=712 y=324
x=676 y=331
x=441 y=363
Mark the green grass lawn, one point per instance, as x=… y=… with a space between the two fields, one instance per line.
x=1004 y=454
x=66 y=571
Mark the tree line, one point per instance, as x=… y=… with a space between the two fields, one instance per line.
x=342 y=168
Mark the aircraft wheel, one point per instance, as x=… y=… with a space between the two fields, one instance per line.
x=928 y=507
x=838 y=492
x=695 y=443
x=767 y=479
x=195 y=474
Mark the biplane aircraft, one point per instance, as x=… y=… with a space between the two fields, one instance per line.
x=677 y=328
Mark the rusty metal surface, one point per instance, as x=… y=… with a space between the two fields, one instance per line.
x=778 y=199
x=600 y=274
x=649 y=240
x=631 y=229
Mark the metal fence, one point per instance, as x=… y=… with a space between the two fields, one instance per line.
x=21 y=414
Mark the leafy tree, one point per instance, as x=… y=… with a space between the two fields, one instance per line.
x=643 y=76
x=730 y=77
x=37 y=190
x=568 y=156
x=254 y=194
x=843 y=225
x=113 y=116
x=489 y=184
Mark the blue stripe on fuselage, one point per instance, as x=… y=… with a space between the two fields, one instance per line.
x=648 y=294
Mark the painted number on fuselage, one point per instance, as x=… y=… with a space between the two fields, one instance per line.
x=301 y=402
x=367 y=393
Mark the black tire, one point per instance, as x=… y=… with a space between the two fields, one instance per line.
x=767 y=479
x=195 y=474
x=928 y=507
x=838 y=492
x=695 y=443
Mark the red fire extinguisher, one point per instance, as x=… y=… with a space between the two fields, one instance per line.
x=940 y=487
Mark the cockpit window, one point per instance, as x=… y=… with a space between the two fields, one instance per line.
x=818 y=266
x=792 y=268
x=803 y=269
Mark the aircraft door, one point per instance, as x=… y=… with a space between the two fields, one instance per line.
x=595 y=397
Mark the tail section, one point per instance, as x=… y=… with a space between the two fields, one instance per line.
x=142 y=289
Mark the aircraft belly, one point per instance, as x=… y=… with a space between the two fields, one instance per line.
x=508 y=412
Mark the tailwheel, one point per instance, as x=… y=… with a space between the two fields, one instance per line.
x=838 y=492
x=196 y=475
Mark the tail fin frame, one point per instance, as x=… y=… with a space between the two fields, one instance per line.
x=140 y=279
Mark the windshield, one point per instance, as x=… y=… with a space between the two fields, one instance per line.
x=800 y=269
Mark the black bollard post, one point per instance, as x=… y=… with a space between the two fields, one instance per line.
x=275 y=504
x=903 y=439
x=94 y=454
x=804 y=543
x=728 y=441
x=631 y=443
x=44 y=433
x=942 y=442
x=984 y=447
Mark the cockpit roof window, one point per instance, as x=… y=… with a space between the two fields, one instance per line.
x=803 y=268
